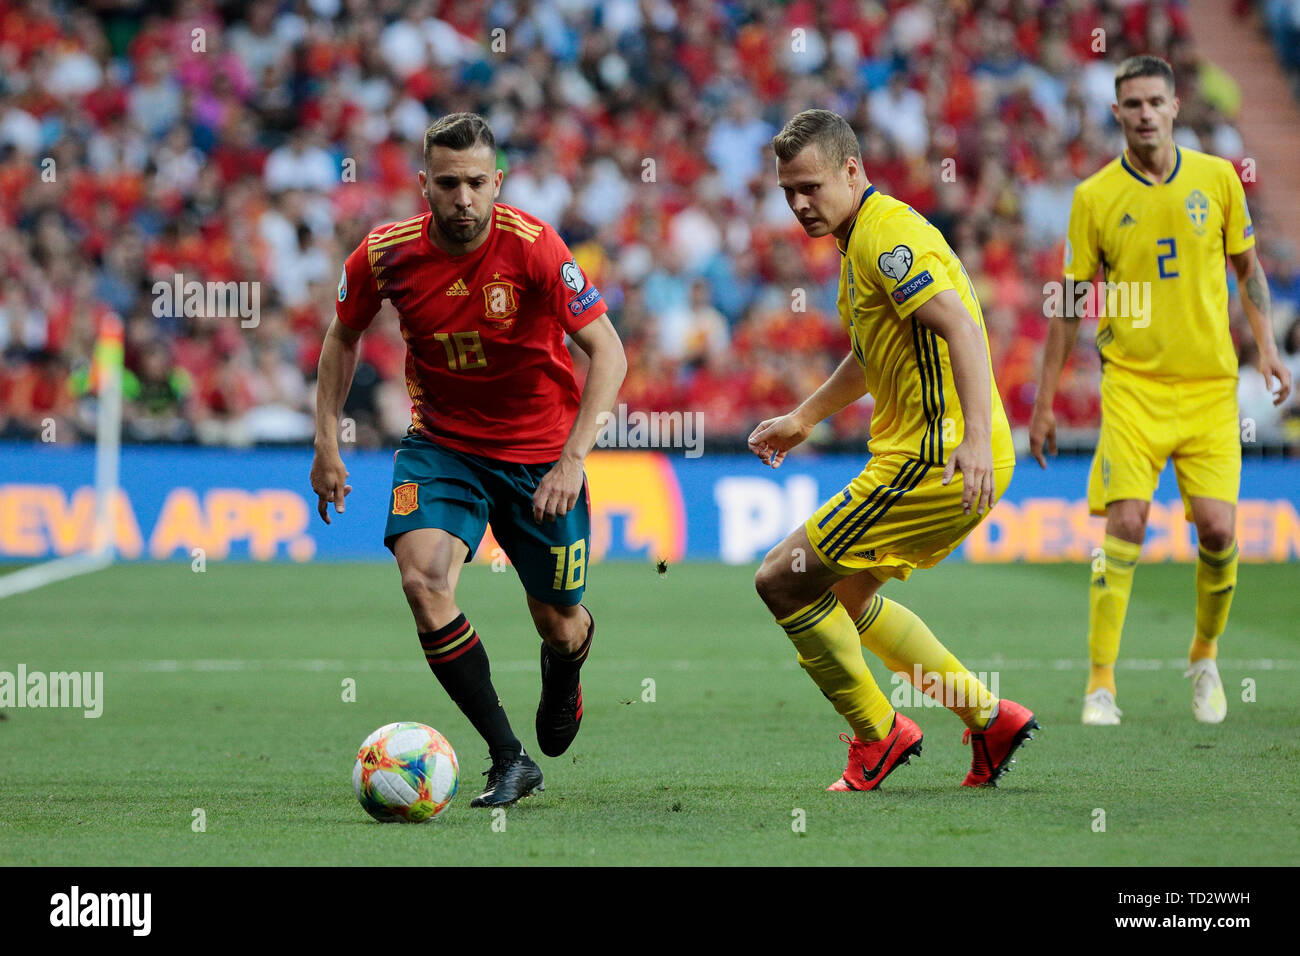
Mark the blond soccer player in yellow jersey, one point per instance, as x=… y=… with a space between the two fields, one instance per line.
x=1159 y=220
x=941 y=455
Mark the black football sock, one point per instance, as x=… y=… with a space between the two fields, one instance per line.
x=563 y=666
x=460 y=662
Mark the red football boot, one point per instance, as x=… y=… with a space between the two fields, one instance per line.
x=992 y=747
x=870 y=762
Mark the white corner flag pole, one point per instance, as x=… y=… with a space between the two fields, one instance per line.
x=107 y=379
x=109 y=357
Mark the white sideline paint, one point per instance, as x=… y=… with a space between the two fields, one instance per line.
x=39 y=575
x=108 y=456
x=751 y=664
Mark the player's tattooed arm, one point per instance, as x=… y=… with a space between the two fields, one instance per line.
x=1257 y=291
x=1253 y=286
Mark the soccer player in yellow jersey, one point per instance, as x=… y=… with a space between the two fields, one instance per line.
x=1158 y=220
x=918 y=345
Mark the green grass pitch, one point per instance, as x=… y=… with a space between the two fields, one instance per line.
x=224 y=692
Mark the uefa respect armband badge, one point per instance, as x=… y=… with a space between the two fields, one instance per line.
x=914 y=285
x=585 y=301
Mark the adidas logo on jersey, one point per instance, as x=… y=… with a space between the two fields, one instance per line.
x=458 y=288
x=1127 y=221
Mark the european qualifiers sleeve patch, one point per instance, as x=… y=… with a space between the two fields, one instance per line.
x=914 y=285
x=572 y=276
x=896 y=263
x=343 y=284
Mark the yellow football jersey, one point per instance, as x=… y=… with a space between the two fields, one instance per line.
x=894 y=261
x=1164 y=243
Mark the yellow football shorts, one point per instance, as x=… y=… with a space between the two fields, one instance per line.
x=894 y=517
x=1145 y=422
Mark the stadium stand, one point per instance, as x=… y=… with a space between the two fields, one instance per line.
x=259 y=142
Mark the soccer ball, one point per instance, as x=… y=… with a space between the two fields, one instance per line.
x=405 y=773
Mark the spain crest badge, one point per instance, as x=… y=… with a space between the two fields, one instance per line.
x=406 y=498
x=500 y=303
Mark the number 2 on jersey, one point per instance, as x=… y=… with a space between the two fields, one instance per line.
x=1171 y=252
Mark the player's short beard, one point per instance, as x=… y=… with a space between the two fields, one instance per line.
x=460 y=235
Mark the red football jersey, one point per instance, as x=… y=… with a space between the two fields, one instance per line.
x=486 y=364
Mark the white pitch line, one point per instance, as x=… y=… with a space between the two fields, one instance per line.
x=394 y=665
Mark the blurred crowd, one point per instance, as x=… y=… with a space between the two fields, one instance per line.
x=259 y=142
x=1281 y=19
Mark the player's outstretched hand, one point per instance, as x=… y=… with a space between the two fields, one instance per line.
x=974 y=459
x=329 y=479
x=776 y=436
x=558 y=490
x=1274 y=368
x=1042 y=434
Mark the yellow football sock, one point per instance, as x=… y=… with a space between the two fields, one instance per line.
x=827 y=643
x=1112 y=582
x=1216 y=579
x=907 y=646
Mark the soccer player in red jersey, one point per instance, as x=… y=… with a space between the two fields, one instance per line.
x=485 y=294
